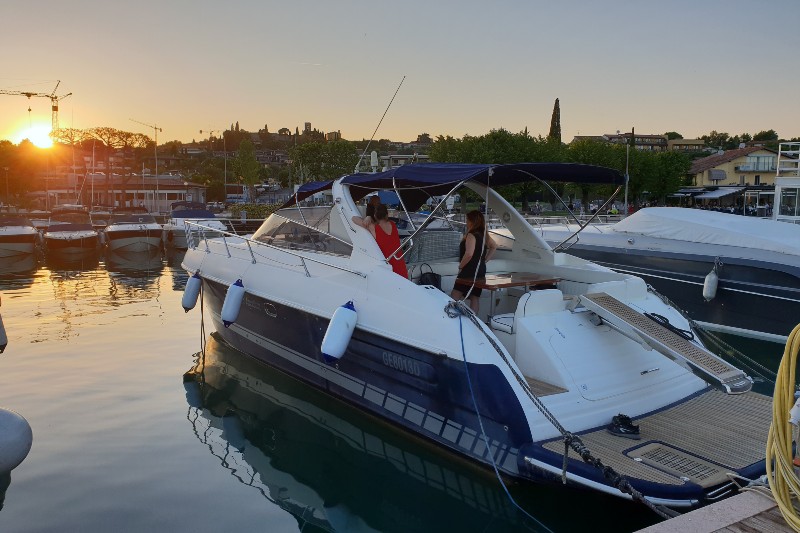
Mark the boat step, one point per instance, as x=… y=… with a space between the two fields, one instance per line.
x=697 y=359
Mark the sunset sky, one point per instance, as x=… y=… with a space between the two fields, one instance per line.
x=687 y=66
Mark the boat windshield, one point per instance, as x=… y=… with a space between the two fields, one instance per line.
x=133 y=218
x=71 y=217
x=15 y=221
x=303 y=229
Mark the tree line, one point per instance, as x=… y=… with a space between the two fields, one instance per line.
x=312 y=158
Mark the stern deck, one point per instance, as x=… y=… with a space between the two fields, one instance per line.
x=696 y=441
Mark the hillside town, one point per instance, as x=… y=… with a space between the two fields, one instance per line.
x=105 y=172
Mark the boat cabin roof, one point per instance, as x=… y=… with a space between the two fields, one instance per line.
x=177 y=206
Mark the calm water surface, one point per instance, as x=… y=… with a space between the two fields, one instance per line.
x=136 y=430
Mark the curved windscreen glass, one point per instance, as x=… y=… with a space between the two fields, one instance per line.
x=310 y=229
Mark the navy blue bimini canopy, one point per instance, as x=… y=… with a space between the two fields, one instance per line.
x=389 y=198
x=417 y=182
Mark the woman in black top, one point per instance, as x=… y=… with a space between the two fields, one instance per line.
x=473 y=257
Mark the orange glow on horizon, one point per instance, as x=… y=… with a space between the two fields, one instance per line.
x=38 y=134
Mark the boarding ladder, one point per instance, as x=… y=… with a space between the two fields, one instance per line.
x=650 y=333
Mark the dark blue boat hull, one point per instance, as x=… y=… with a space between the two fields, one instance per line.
x=424 y=393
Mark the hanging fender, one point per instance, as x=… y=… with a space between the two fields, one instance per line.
x=339 y=331
x=232 y=303
x=3 y=336
x=710 y=286
x=191 y=292
x=711 y=283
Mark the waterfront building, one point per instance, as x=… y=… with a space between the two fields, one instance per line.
x=750 y=165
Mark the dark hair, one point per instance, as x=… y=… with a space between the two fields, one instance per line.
x=371 y=205
x=478 y=223
x=381 y=213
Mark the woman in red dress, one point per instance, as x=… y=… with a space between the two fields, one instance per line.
x=387 y=237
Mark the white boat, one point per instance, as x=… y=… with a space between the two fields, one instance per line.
x=755 y=264
x=18 y=236
x=175 y=232
x=505 y=389
x=133 y=230
x=70 y=231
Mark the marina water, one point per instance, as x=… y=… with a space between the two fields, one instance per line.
x=136 y=429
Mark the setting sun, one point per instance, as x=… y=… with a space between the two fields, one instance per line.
x=38 y=134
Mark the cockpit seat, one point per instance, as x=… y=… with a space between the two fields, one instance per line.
x=539 y=302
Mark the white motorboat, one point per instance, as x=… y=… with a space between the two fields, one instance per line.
x=571 y=365
x=175 y=232
x=133 y=230
x=70 y=231
x=730 y=273
x=18 y=236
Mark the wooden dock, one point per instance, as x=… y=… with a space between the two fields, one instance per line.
x=748 y=512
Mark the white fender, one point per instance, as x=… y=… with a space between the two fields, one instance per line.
x=710 y=286
x=191 y=291
x=339 y=331
x=16 y=439
x=232 y=303
x=3 y=336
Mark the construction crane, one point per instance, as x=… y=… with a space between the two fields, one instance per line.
x=52 y=96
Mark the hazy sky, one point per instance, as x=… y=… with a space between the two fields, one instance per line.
x=688 y=66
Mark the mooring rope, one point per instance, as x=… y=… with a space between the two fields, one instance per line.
x=617 y=480
x=483 y=432
x=783 y=480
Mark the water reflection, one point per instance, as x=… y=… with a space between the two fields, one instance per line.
x=134 y=275
x=145 y=264
x=5 y=481
x=18 y=264
x=66 y=263
x=329 y=465
x=174 y=258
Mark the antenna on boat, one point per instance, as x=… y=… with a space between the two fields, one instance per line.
x=627 y=176
x=379 y=125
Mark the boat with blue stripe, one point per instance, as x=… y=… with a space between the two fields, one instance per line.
x=585 y=361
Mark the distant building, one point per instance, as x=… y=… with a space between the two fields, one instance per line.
x=751 y=165
x=333 y=136
x=396 y=160
x=686 y=145
x=642 y=141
